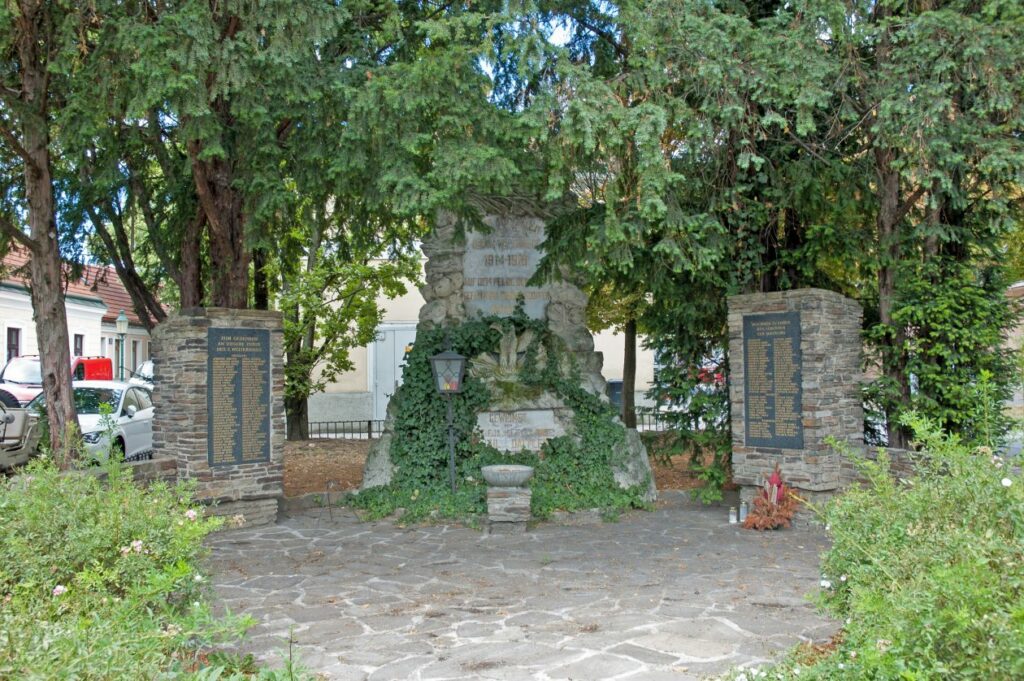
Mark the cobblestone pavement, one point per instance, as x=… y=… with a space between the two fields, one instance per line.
x=676 y=593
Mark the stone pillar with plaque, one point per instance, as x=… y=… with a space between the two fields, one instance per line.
x=795 y=361
x=218 y=393
x=475 y=274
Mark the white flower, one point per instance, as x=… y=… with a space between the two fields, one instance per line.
x=741 y=677
x=59 y=589
x=825 y=584
x=853 y=654
x=1007 y=482
x=841 y=665
x=198 y=578
x=137 y=546
x=843 y=578
x=191 y=514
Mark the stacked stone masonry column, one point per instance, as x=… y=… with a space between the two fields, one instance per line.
x=508 y=509
x=182 y=419
x=831 y=373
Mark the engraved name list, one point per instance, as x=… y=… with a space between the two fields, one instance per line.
x=772 y=381
x=238 y=396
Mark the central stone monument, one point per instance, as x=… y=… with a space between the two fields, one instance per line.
x=484 y=274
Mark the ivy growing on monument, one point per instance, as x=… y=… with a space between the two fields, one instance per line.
x=574 y=470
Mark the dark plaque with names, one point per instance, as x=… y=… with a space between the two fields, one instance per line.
x=772 y=390
x=238 y=396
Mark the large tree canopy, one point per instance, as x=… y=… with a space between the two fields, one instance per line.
x=246 y=153
x=870 y=148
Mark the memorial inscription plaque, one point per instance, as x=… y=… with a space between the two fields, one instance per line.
x=497 y=266
x=772 y=381
x=238 y=396
x=514 y=431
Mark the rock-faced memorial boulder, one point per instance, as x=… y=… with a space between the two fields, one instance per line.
x=531 y=363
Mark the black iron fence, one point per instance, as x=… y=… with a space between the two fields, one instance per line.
x=345 y=430
x=652 y=422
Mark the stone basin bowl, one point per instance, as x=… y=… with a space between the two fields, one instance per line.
x=507 y=475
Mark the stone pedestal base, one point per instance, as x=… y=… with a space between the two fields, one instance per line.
x=247 y=512
x=508 y=505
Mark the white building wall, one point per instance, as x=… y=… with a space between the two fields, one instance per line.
x=16 y=313
x=84 y=318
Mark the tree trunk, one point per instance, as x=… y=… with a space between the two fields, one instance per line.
x=629 y=375
x=260 y=285
x=887 y=222
x=297 y=410
x=890 y=211
x=297 y=407
x=146 y=307
x=222 y=203
x=190 y=273
x=47 y=290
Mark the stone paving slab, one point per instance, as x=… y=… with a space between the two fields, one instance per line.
x=676 y=593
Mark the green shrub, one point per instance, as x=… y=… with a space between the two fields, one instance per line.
x=99 y=579
x=927 y=574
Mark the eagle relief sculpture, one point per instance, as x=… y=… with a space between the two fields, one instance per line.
x=500 y=371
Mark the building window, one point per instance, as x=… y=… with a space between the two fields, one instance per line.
x=13 y=343
x=135 y=355
x=79 y=345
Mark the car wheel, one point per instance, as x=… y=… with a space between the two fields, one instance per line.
x=7 y=400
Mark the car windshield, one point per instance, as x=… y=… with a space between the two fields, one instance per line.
x=88 y=400
x=22 y=370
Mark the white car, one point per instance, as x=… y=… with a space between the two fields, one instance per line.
x=143 y=375
x=129 y=426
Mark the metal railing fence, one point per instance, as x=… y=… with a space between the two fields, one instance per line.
x=360 y=429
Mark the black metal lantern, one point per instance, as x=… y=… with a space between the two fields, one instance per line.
x=449 y=368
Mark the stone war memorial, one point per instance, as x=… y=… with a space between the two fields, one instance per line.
x=223 y=372
x=795 y=360
x=534 y=392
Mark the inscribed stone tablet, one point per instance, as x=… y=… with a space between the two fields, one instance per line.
x=497 y=266
x=238 y=396
x=772 y=390
x=514 y=431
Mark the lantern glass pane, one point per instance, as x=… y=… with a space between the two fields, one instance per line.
x=448 y=375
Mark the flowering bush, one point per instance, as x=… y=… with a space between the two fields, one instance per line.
x=928 y=574
x=100 y=579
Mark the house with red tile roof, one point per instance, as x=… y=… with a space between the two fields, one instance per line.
x=93 y=301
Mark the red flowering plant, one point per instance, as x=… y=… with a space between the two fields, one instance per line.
x=774 y=506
